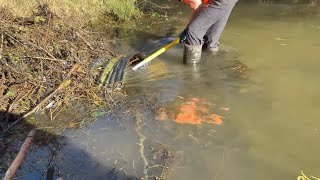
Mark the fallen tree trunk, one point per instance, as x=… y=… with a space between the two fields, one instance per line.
x=20 y=157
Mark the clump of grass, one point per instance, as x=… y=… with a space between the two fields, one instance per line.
x=76 y=10
x=122 y=9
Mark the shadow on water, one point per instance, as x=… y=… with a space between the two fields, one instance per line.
x=50 y=156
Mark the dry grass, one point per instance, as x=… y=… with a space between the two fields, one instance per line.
x=80 y=9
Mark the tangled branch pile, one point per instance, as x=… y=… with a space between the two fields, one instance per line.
x=40 y=56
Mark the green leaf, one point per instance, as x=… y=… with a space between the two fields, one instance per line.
x=39 y=19
x=10 y=93
x=97 y=114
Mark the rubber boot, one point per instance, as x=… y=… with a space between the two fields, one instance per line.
x=192 y=54
x=211 y=50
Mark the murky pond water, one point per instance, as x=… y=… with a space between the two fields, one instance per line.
x=270 y=127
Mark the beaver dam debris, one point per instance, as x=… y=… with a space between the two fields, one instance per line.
x=44 y=63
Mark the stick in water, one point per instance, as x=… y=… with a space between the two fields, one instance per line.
x=20 y=157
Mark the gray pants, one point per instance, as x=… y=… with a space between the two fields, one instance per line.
x=208 y=23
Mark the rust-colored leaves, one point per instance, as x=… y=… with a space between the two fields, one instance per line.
x=196 y=111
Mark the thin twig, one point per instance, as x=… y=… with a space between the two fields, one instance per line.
x=40 y=48
x=30 y=43
x=47 y=30
x=105 y=96
x=111 y=98
x=29 y=79
x=1 y=46
x=46 y=58
x=14 y=38
x=16 y=100
x=151 y=96
x=120 y=124
x=58 y=111
x=134 y=168
x=13 y=69
x=158 y=166
x=84 y=40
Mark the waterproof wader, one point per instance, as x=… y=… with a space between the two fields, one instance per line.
x=206 y=27
x=192 y=54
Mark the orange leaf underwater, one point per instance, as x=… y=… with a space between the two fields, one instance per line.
x=196 y=112
x=188 y=114
x=215 y=119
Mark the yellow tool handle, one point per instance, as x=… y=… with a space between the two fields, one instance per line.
x=157 y=53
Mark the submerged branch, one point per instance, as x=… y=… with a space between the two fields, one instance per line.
x=20 y=157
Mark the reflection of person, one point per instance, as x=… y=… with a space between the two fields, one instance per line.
x=205 y=27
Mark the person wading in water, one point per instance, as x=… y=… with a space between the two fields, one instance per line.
x=205 y=27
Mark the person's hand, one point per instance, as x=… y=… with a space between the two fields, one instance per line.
x=183 y=36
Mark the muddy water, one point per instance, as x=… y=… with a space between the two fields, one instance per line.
x=270 y=127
